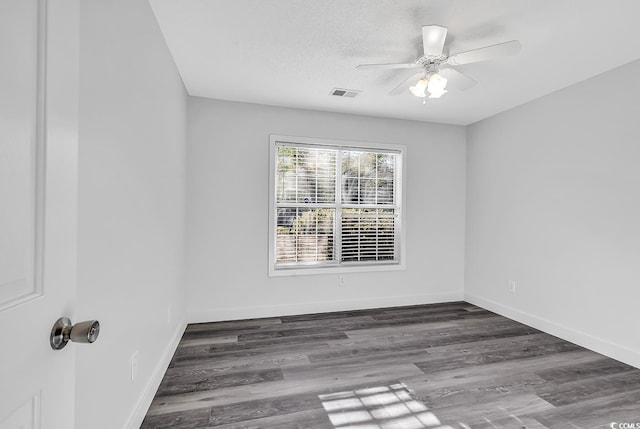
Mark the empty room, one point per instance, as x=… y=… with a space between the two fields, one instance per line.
x=323 y=214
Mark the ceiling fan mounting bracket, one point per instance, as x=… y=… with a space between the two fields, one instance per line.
x=431 y=64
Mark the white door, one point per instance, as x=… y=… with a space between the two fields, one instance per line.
x=38 y=165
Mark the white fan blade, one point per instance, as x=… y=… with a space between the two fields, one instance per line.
x=387 y=66
x=403 y=86
x=457 y=79
x=433 y=37
x=488 y=52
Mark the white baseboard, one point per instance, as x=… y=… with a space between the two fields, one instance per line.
x=141 y=408
x=597 y=344
x=236 y=313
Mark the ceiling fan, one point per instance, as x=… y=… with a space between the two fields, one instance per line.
x=436 y=64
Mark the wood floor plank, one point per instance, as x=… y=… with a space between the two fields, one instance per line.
x=318 y=384
x=452 y=337
x=487 y=374
x=453 y=312
x=595 y=412
x=186 y=355
x=209 y=326
x=277 y=353
x=231 y=365
x=601 y=367
x=204 y=341
x=456 y=365
x=306 y=419
x=432 y=308
x=197 y=381
x=299 y=332
x=425 y=328
x=440 y=353
x=331 y=322
x=184 y=419
x=509 y=422
x=257 y=344
x=489 y=389
x=495 y=409
x=590 y=388
x=325 y=316
x=484 y=358
x=268 y=407
x=353 y=371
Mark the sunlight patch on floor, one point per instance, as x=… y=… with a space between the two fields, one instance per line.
x=380 y=407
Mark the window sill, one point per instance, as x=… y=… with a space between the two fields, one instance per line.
x=343 y=269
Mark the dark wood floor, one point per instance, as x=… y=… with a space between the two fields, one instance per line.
x=450 y=365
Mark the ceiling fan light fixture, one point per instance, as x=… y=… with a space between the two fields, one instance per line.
x=433 y=83
x=420 y=87
x=436 y=86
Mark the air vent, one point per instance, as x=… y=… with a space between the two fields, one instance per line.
x=348 y=93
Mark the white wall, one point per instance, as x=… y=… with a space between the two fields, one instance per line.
x=131 y=209
x=227 y=230
x=553 y=202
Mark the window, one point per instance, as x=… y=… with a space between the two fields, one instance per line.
x=334 y=206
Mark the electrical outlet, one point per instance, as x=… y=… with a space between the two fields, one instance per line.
x=512 y=286
x=134 y=365
x=342 y=281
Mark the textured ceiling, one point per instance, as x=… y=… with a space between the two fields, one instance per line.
x=294 y=52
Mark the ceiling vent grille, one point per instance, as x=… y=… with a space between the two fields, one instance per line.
x=347 y=93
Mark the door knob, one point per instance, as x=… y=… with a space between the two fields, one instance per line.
x=63 y=332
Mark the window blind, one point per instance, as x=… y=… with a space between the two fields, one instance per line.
x=335 y=206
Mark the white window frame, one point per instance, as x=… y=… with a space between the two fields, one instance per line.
x=338 y=267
